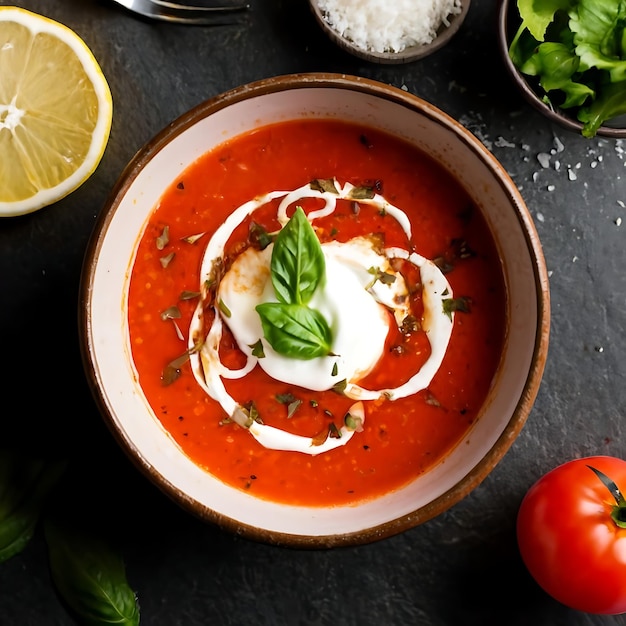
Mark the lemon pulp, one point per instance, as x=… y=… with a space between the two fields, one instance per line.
x=55 y=111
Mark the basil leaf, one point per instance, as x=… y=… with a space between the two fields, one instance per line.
x=25 y=484
x=90 y=577
x=294 y=330
x=297 y=264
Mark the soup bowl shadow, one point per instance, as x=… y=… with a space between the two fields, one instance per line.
x=104 y=327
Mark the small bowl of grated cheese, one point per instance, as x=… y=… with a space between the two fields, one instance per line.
x=380 y=31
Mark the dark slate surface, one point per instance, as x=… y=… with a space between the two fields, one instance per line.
x=461 y=568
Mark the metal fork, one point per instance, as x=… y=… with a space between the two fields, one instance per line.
x=185 y=14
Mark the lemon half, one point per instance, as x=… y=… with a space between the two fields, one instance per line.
x=55 y=111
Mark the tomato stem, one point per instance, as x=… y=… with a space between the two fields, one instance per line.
x=618 y=512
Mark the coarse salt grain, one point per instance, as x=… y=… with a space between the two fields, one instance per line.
x=388 y=25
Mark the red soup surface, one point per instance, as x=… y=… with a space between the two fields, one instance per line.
x=401 y=438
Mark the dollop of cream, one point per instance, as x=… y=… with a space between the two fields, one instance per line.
x=352 y=311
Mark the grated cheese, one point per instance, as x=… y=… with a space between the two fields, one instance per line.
x=388 y=25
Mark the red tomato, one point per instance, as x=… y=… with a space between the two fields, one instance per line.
x=568 y=540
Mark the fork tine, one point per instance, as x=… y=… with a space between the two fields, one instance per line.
x=188 y=9
x=186 y=14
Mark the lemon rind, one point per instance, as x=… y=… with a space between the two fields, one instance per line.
x=100 y=136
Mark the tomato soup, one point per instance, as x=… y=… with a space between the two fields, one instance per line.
x=399 y=437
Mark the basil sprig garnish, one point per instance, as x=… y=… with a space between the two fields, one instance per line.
x=297 y=268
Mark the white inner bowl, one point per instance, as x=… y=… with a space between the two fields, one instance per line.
x=106 y=345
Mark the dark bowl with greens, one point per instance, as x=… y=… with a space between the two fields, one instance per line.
x=568 y=59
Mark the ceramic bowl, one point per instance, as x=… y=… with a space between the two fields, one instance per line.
x=508 y=21
x=409 y=54
x=104 y=326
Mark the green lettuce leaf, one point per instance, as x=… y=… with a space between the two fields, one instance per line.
x=598 y=27
x=576 y=50
x=556 y=65
x=609 y=104
x=538 y=14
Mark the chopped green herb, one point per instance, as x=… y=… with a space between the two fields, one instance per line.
x=361 y=193
x=458 y=305
x=166 y=260
x=257 y=350
x=253 y=411
x=353 y=423
x=191 y=239
x=241 y=416
x=384 y=277
x=258 y=236
x=324 y=185
x=285 y=398
x=172 y=370
x=293 y=403
x=189 y=295
x=340 y=386
x=224 y=309
x=171 y=313
x=292 y=407
x=444 y=265
x=333 y=431
x=410 y=324
x=459 y=250
x=163 y=239
x=169 y=375
x=462 y=250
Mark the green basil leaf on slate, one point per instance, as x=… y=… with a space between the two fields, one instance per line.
x=297 y=264
x=295 y=331
x=25 y=484
x=89 y=576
